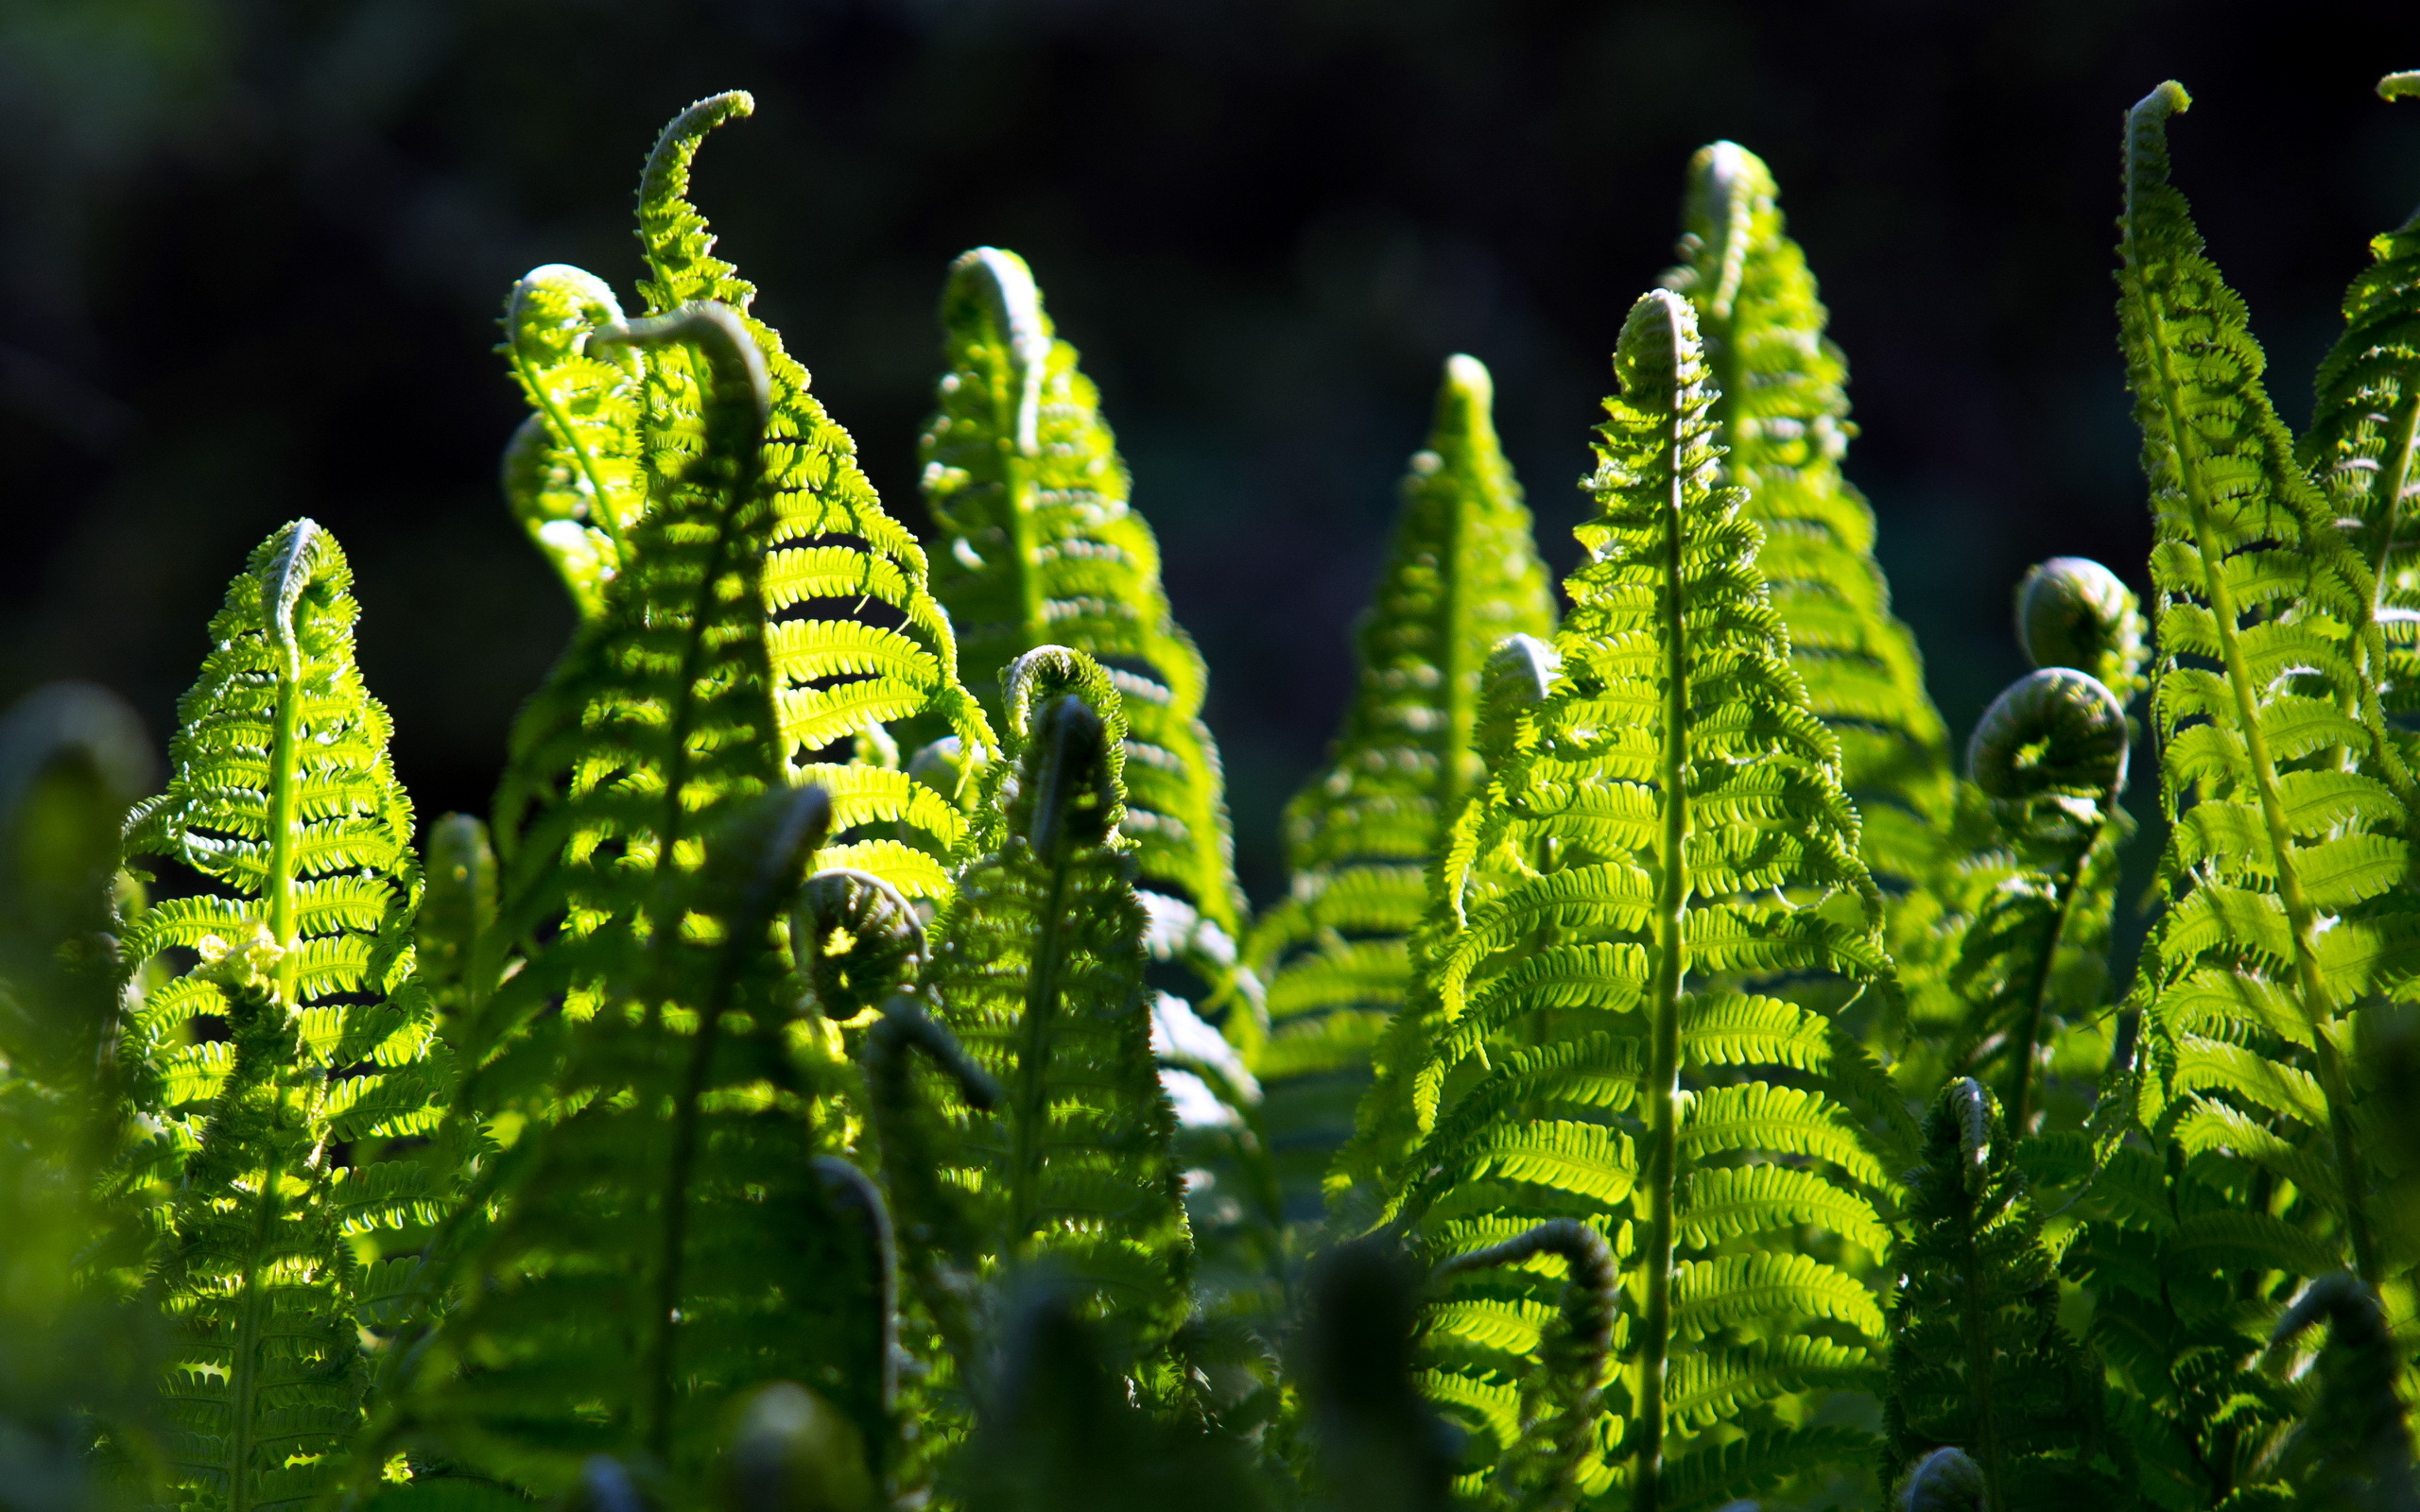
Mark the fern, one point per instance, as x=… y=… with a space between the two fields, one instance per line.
x=1461 y=575
x=2286 y=859
x=2049 y=755
x=1781 y=412
x=1023 y=480
x=858 y=644
x=1666 y=822
x=1977 y=1358
x=1037 y=965
x=2071 y=612
x=2355 y=1449
x=283 y=799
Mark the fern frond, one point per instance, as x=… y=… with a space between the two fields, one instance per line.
x=1977 y=1359
x=1024 y=479
x=572 y=473
x=2268 y=667
x=2355 y=1449
x=1037 y=967
x=857 y=642
x=2071 y=612
x=1461 y=575
x=1670 y=814
x=283 y=799
x=2365 y=437
x=1781 y=412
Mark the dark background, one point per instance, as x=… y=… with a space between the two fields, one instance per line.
x=253 y=253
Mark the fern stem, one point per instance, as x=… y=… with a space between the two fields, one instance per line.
x=1033 y=1059
x=2318 y=1004
x=1671 y=900
x=2029 y=1043
x=1975 y=1325
x=655 y=1360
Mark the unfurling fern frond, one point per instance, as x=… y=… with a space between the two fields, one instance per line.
x=1666 y=827
x=2071 y=612
x=1461 y=575
x=283 y=799
x=572 y=473
x=2049 y=755
x=1037 y=965
x=2288 y=869
x=858 y=644
x=1978 y=1361
x=1781 y=411
x=2364 y=444
x=1023 y=477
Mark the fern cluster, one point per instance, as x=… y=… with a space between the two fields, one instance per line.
x=840 y=1072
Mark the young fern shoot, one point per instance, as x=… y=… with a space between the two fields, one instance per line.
x=1602 y=903
x=1461 y=575
x=280 y=797
x=1037 y=967
x=1024 y=479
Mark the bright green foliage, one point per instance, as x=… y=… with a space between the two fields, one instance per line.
x=1978 y=1361
x=840 y=679
x=1037 y=965
x=1461 y=575
x=2050 y=757
x=1668 y=821
x=281 y=798
x=2365 y=436
x=1023 y=480
x=2287 y=864
x=1781 y=411
x=572 y=473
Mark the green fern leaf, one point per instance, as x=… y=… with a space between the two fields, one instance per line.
x=572 y=473
x=2269 y=657
x=1461 y=575
x=283 y=799
x=1977 y=1359
x=2365 y=437
x=1781 y=412
x=1037 y=967
x=1026 y=484
x=1672 y=813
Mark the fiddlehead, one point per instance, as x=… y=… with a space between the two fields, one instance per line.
x=572 y=473
x=2071 y=612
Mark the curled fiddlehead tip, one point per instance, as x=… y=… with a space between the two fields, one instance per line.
x=1469 y=384
x=1070 y=806
x=1589 y=1293
x=2055 y=733
x=791 y=1450
x=998 y=282
x=554 y=308
x=302 y=550
x=2404 y=85
x=2071 y=612
x=1516 y=675
x=740 y=389
x=667 y=162
x=1658 y=334
x=1727 y=186
x=855 y=940
x=2169 y=99
x=1947 y=1479
x=458 y=900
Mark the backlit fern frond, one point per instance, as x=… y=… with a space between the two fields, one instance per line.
x=283 y=799
x=572 y=473
x=1665 y=828
x=857 y=642
x=2287 y=869
x=1024 y=479
x=1781 y=411
x=2364 y=444
x=1978 y=1361
x=1461 y=575
x=1037 y=965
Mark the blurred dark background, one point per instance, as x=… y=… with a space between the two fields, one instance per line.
x=252 y=251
